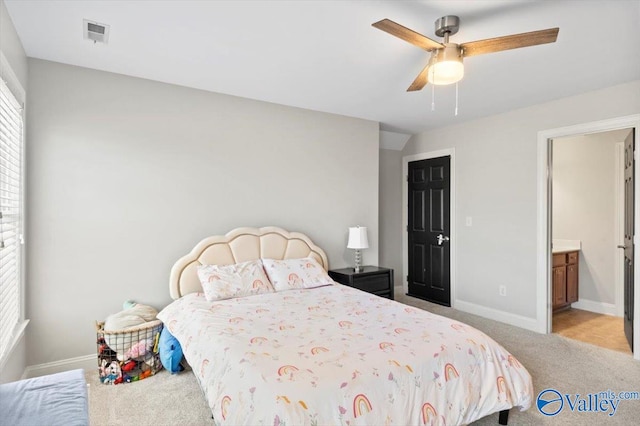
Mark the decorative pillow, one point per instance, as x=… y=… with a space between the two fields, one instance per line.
x=289 y=274
x=241 y=279
x=170 y=352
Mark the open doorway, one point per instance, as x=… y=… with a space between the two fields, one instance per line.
x=587 y=234
x=544 y=231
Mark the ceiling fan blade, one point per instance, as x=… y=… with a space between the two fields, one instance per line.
x=420 y=81
x=407 y=35
x=513 y=41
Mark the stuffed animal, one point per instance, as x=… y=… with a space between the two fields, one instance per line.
x=170 y=352
x=138 y=350
x=113 y=373
x=128 y=366
x=103 y=369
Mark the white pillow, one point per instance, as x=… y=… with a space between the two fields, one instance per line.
x=289 y=274
x=241 y=279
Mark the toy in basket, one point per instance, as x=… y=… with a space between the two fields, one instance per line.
x=128 y=355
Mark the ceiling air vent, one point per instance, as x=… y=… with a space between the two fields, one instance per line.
x=95 y=31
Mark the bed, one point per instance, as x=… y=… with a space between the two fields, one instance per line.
x=330 y=354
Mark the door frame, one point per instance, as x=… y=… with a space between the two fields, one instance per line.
x=543 y=305
x=452 y=214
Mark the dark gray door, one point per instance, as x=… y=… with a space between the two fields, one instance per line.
x=629 y=228
x=429 y=229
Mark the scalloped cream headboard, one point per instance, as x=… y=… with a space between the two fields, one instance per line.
x=240 y=245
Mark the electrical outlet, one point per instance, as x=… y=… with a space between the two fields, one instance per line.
x=502 y=290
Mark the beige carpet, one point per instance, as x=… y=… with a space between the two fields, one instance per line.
x=554 y=361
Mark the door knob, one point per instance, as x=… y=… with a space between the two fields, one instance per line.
x=441 y=238
x=622 y=247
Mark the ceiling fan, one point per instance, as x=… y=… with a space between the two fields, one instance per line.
x=445 y=65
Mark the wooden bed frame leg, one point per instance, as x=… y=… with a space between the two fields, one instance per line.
x=503 y=419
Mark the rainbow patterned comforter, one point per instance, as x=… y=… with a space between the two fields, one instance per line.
x=336 y=355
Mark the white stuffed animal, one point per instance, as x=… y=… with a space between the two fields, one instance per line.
x=112 y=372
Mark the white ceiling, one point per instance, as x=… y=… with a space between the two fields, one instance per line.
x=326 y=56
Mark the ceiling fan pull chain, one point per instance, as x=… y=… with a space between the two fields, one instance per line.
x=433 y=98
x=456 y=112
x=433 y=95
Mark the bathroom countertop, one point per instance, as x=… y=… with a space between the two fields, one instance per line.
x=565 y=246
x=564 y=250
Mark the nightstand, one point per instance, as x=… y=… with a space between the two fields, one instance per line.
x=372 y=279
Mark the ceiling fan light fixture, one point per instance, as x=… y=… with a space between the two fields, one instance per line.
x=446 y=65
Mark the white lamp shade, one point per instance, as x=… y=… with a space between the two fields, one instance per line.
x=358 y=238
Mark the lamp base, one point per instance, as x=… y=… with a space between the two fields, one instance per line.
x=358 y=266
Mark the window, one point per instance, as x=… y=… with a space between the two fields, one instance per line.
x=10 y=218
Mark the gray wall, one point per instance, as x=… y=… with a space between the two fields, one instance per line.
x=495 y=160
x=12 y=50
x=390 y=216
x=126 y=175
x=584 y=207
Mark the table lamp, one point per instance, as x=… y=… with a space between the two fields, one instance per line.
x=358 y=240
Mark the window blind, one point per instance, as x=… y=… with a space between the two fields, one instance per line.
x=10 y=216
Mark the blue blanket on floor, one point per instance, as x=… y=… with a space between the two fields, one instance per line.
x=56 y=399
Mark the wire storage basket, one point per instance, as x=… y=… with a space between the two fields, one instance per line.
x=126 y=356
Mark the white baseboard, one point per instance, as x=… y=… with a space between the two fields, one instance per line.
x=597 y=307
x=494 y=314
x=87 y=362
